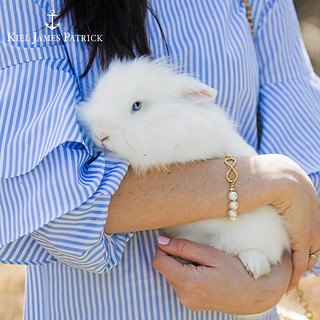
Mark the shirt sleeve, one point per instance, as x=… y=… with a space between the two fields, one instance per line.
x=54 y=188
x=290 y=90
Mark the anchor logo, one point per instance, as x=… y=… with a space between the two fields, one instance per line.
x=51 y=26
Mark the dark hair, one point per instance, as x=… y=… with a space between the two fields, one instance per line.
x=120 y=22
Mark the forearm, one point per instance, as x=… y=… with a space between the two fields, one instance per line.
x=189 y=192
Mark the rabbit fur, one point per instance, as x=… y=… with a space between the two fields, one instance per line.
x=178 y=123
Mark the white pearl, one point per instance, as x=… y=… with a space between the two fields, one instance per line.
x=233 y=205
x=232 y=215
x=233 y=195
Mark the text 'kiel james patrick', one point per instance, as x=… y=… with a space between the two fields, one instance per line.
x=34 y=38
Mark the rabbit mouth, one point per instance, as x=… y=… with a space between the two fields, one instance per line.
x=103 y=140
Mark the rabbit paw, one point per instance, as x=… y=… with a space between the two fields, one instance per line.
x=256 y=262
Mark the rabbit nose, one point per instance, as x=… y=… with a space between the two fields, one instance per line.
x=104 y=139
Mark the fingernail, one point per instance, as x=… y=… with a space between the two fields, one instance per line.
x=163 y=240
x=288 y=292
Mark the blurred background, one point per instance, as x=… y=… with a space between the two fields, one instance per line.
x=12 y=277
x=309 y=16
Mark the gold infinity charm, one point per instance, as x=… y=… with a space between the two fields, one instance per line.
x=231 y=166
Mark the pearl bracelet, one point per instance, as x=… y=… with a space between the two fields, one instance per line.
x=232 y=195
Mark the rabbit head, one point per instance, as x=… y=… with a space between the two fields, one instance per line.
x=140 y=108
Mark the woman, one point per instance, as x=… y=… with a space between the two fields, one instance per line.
x=57 y=189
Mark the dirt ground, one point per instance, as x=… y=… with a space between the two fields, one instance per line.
x=11 y=292
x=12 y=277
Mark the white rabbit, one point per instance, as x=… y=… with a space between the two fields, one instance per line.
x=145 y=112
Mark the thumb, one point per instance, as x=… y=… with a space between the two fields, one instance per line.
x=189 y=250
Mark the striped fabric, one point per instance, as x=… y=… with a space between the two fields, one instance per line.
x=55 y=189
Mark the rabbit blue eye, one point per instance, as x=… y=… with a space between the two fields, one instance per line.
x=137 y=106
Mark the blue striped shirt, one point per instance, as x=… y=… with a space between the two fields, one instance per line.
x=55 y=188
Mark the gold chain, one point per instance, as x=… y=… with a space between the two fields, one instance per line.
x=304 y=303
x=249 y=16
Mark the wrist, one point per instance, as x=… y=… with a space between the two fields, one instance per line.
x=259 y=182
x=285 y=176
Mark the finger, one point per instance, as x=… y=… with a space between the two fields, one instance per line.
x=300 y=265
x=174 y=287
x=192 y=251
x=313 y=261
x=169 y=267
x=311 y=264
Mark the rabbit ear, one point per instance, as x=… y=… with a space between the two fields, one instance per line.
x=199 y=92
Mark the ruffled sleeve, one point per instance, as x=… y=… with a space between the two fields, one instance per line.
x=54 y=189
x=290 y=90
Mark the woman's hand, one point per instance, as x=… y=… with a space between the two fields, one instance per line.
x=220 y=282
x=299 y=206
